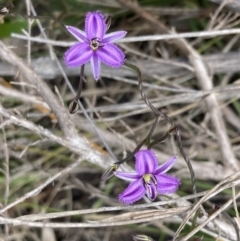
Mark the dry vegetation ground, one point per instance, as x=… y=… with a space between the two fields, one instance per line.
x=51 y=162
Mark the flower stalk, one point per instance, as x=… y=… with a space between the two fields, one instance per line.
x=173 y=130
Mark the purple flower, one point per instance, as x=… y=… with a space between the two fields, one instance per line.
x=95 y=45
x=149 y=178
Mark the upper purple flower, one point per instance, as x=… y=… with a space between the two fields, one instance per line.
x=149 y=178
x=95 y=45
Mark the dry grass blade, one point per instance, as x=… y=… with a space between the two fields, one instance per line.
x=234 y=5
x=36 y=217
x=210 y=33
x=212 y=217
x=146 y=215
x=205 y=82
x=172 y=68
x=238 y=222
x=37 y=190
x=42 y=88
x=218 y=188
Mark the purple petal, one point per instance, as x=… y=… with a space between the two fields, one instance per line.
x=166 y=166
x=96 y=66
x=95 y=26
x=112 y=37
x=133 y=192
x=151 y=191
x=146 y=162
x=78 y=54
x=127 y=176
x=111 y=55
x=77 y=33
x=167 y=184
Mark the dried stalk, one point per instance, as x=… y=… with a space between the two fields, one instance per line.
x=61 y=113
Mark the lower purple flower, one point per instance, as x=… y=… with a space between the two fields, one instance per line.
x=149 y=178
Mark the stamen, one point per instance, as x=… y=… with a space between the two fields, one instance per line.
x=150 y=185
x=149 y=178
x=95 y=43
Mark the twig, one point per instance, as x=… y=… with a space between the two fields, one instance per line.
x=6 y=171
x=213 y=216
x=218 y=63
x=42 y=186
x=13 y=93
x=217 y=189
x=41 y=131
x=202 y=171
x=154 y=215
x=234 y=5
x=84 y=111
x=53 y=55
x=206 y=84
x=80 y=147
x=204 y=81
x=234 y=202
x=35 y=217
x=50 y=48
x=6 y=163
x=27 y=2
x=173 y=130
x=199 y=34
x=42 y=88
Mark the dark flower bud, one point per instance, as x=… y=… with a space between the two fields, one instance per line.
x=172 y=130
x=108 y=21
x=73 y=107
x=109 y=172
x=141 y=237
x=197 y=239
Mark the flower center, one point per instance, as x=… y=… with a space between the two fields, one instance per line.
x=95 y=43
x=149 y=179
x=150 y=185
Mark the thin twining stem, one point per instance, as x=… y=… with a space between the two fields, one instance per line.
x=81 y=79
x=146 y=140
x=146 y=100
x=171 y=131
x=74 y=106
x=179 y=142
x=85 y=112
x=8 y=10
x=175 y=129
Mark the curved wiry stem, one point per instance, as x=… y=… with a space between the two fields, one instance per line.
x=173 y=130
